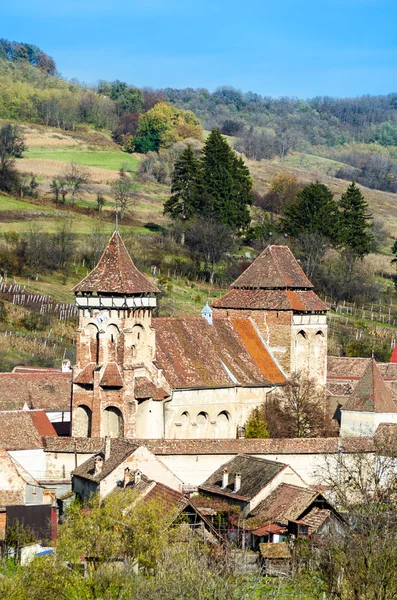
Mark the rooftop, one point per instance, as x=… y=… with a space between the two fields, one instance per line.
x=24 y=429
x=255 y=472
x=195 y=354
x=271 y=299
x=176 y=447
x=275 y=268
x=285 y=503
x=115 y=273
x=49 y=390
x=371 y=393
x=120 y=449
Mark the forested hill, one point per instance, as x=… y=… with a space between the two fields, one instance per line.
x=321 y=120
x=359 y=132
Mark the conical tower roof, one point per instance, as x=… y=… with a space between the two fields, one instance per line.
x=371 y=394
x=275 y=268
x=115 y=273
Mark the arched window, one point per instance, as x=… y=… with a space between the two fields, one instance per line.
x=112 y=422
x=82 y=419
x=301 y=350
x=223 y=421
x=112 y=336
x=320 y=333
x=94 y=342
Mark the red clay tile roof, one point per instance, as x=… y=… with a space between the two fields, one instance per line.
x=221 y=446
x=82 y=445
x=268 y=528
x=259 y=353
x=86 y=376
x=193 y=353
x=146 y=389
x=111 y=376
x=120 y=449
x=371 y=394
x=275 y=268
x=285 y=503
x=50 y=391
x=165 y=495
x=342 y=367
x=42 y=423
x=300 y=300
x=316 y=517
x=255 y=472
x=116 y=273
x=21 y=429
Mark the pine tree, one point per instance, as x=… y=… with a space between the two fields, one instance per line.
x=256 y=425
x=183 y=203
x=225 y=184
x=315 y=210
x=355 y=221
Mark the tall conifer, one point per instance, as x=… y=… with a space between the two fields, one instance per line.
x=355 y=221
x=184 y=201
x=225 y=184
x=315 y=210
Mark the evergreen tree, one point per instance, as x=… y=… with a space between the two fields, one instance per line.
x=183 y=203
x=256 y=425
x=315 y=210
x=225 y=184
x=355 y=221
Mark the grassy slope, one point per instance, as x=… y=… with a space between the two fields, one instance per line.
x=102 y=159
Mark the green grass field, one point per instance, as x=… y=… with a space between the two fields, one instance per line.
x=15 y=204
x=90 y=158
x=310 y=162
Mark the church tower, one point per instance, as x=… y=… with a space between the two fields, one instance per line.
x=115 y=344
x=276 y=295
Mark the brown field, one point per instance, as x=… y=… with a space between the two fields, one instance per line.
x=54 y=168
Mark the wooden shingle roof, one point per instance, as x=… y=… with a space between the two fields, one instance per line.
x=115 y=273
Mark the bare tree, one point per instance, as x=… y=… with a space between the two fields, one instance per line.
x=298 y=409
x=359 y=562
x=209 y=241
x=124 y=193
x=75 y=176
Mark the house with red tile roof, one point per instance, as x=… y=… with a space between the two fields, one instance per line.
x=137 y=375
x=370 y=403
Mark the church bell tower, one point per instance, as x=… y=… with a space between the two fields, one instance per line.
x=114 y=343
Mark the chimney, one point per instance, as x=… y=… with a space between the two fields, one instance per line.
x=107 y=447
x=98 y=465
x=126 y=479
x=137 y=476
x=66 y=366
x=225 y=478
x=237 y=482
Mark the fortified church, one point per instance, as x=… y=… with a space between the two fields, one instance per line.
x=140 y=376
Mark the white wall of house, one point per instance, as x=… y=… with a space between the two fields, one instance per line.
x=287 y=475
x=362 y=423
x=195 y=469
x=33 y=461
x=148 y=464
x=59 y=416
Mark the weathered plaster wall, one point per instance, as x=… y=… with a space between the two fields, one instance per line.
x=214 y=413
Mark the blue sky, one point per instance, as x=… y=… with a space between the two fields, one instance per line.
x=296 y=48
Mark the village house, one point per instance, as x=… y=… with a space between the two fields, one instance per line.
x=246 y=480
x=108 y=469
